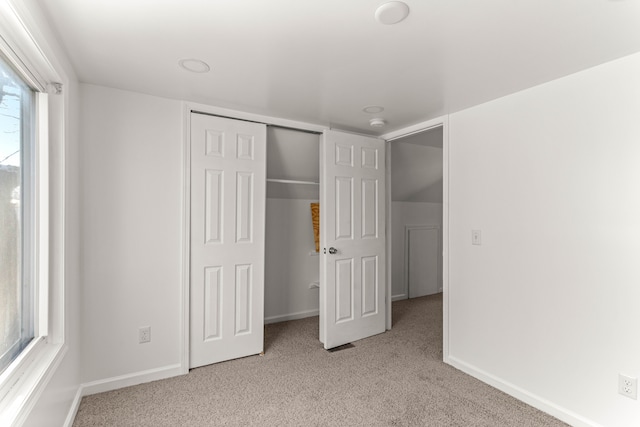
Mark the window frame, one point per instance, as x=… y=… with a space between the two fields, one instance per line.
x=26 y=377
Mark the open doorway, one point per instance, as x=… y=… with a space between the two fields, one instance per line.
x=417 y=214
x=352 y=263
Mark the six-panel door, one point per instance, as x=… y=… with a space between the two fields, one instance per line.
x=228 y=182
x=353 y=235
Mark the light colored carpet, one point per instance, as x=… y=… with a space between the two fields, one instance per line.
x=393 y=379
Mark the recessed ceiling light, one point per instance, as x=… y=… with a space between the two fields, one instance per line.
x=194 y=65
x=392 y=12
x=373 y=109
x=377 y=123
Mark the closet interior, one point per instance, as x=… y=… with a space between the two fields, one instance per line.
x=291 y=260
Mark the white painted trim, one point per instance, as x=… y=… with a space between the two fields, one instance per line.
x=59 y=135
x=43 y=215
x=185 y=314
x=445 y=238
x=355 y=132
x=407 y=229
x=19 y=45
x=73 y=410
x=127 y=380
x=399 y=297
x=241 y=115
x=537 y=402
x=410 y=130
x=33 y=377
x=322 y=256
x=417 y=128
x=388 y=236
x=291 y=316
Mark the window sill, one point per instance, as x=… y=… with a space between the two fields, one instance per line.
x=23 y=383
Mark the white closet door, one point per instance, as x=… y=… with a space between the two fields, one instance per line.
x=228 y=196
x=352 y=203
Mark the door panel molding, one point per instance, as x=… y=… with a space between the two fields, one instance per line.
x=353 y=260
x=226 y=245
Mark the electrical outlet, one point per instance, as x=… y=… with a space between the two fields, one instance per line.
x=628 y=386
x=144 y=334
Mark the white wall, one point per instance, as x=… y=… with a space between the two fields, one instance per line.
x=132 y=204
x=292 y=154
x=288 y=266
x=131 y=231
x=546 y=307
x=416 y=173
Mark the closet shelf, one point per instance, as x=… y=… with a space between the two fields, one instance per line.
x=292 y=181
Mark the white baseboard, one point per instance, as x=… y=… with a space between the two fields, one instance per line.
x=291 y=316
x=127 y=380
x=398 y=297
x=544 y=405
x=73 y=410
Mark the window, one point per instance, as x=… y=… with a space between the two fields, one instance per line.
x=17 y=266
x=32 y=215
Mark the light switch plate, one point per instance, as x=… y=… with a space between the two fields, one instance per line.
x=476 y=237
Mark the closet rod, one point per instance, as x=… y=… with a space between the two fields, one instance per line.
x=253 y=121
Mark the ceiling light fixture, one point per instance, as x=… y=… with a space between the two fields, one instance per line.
x=194 y=65
x=377 y=123
x=373 y=109
x=392 y=12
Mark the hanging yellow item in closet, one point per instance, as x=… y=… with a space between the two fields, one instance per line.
x=315 y=218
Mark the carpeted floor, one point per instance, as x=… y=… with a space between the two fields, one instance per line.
x=393 y=379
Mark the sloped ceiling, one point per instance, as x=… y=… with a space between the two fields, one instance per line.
x=416 y=167
x=322 y=61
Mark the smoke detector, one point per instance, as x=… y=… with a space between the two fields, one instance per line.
x=377 y=123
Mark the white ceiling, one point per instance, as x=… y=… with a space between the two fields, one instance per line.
x=322 y=61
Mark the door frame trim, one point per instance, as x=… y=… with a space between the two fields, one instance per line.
x=187 y=109
x=186 y=240
x=443 y=122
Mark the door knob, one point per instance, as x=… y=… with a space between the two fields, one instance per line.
x=333 y=251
